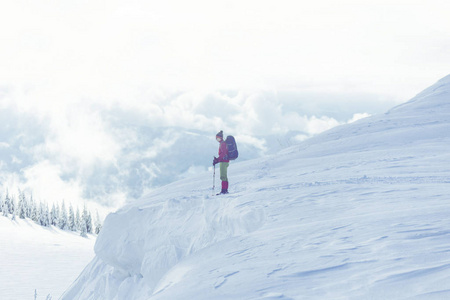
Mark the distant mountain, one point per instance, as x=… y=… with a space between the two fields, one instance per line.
x=358 y=212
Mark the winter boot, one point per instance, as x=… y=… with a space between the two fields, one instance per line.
x=224 y=187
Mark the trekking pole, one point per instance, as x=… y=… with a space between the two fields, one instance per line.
x=214 y=179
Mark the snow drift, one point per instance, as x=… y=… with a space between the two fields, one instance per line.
x=358 y=212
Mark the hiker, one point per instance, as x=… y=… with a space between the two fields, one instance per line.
x=224 y=162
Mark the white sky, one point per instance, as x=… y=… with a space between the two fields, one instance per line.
x=105 y=48
x=69 y=65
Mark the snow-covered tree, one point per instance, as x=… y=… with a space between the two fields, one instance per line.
x=13 y=209
x=53 y=217
x=83 y=222
x=40 y=213
x=49 y=219
x=89 y=227
x=7 y=205
x=63 y=221
x=34 y=212
x=29 y=206
x=71 y=221
x=83 y=227
x=43 y=214
x=22 y=205
x=4 y=209
x=77 y=220
x=98 y=224
x=57 y=215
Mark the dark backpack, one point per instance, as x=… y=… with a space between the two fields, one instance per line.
x=232 y=148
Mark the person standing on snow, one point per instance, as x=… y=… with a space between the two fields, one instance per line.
x=224 y=162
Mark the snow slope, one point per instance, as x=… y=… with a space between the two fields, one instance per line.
x=39 y=258
x=359 y=212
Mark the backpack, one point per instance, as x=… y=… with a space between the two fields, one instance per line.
x=232 y=148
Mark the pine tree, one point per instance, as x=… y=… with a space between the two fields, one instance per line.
x=42 y=215
x=4 y=209
x=53 y=215
x=63 y=223
x=83 y=222
x=98 y=224
x=57 y=215
x=71 y=224
x=34 y=212
x=29 y=206
x=47 y=216
x=89 y=226
x=25 y=211
x=13 y=209
x=22 y=205
x=77 y=220
x=7 y=205
x=83 y=227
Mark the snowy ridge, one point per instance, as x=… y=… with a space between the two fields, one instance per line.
x=358 y=212
x=184 y=225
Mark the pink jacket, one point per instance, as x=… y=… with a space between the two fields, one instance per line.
x=223 y=152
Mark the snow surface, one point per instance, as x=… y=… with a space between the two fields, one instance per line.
x=44 y=259
x=359 y=212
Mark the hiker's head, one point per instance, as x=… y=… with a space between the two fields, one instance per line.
x=219 y=136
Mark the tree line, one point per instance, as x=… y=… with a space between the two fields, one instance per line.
x=58 y=216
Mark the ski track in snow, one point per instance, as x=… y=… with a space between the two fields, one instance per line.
x=358 y=212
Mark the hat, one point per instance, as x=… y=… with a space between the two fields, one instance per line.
x=220 y=134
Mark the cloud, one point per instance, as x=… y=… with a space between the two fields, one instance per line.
x=43 y=179
x=112 y=99
x=317 y=125
x=109 y=152
x=80 y=134
x=358 y=116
